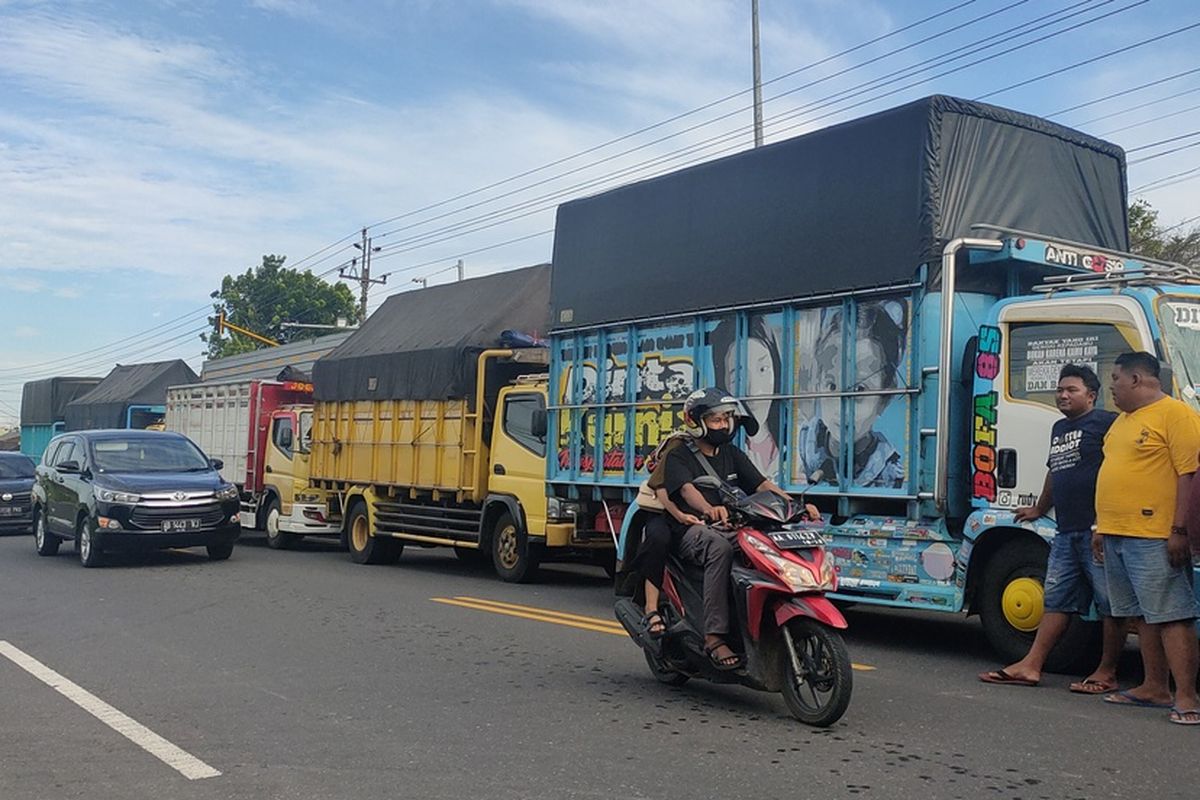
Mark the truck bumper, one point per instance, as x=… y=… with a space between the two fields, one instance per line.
x=309 y=519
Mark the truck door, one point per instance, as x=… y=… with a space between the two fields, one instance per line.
x=281 y=449
x=1033 y=340
x=518 y=456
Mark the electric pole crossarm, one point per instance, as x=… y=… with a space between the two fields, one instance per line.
x=224 y=325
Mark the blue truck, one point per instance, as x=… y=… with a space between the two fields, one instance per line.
x=892 y=298
x=43 y=410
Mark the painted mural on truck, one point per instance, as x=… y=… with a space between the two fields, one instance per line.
x=867 y=357
x=790 y=375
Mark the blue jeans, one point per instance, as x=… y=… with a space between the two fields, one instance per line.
x=1073 y=577
x=1142 y=582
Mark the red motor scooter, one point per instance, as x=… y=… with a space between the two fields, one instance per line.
x=780 y=616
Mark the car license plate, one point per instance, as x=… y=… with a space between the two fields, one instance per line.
x=6 y=511
x=797 y=539
x=177 y=525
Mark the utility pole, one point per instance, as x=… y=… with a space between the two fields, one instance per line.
x=758 y=124
x=362 y=273
x=459 y=267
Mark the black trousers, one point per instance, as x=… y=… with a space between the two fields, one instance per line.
x=713 y=550
x=651 y=558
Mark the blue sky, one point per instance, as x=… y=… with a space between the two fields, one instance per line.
x=149 y=148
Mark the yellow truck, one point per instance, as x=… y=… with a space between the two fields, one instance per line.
x=428 y=431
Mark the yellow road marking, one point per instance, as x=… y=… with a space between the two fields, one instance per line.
x=612 y=623
x=555 y=617
x=524 y=615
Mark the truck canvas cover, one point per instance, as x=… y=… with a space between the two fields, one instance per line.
x=128 y=385
x=44 y=402
x=421 y=345
x=855 y=205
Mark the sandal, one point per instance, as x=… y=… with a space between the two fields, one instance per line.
x=1181 y=717
x=723 y=663
x=1092 y=686
x=654 y=625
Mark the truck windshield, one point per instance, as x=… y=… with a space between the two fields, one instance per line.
x=304 y=440
x=1180 y=321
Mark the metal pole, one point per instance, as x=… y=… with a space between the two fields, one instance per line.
x=758 y=122
x=365 y=277
x=459 y=265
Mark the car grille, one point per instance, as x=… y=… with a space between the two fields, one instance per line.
x=20 y=501
x=152 y=518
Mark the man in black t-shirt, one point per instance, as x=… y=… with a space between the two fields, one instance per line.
x=712 y=416
x=1073 y=578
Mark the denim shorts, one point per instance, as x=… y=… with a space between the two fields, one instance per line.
x=1142 y=583
x=1073 y=577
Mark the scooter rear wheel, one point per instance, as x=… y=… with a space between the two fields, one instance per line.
x=818 y=677
x=662 y=673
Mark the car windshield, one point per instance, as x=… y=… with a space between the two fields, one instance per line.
x=148 y=454
x=1180 y=320
x=16 y=467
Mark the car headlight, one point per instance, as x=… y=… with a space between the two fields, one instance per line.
x=113 y=496
x=229 y=492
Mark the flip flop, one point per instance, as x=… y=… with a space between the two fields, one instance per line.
x=1185 y=717
x=1089 y=686
x=1002 y=677
x=1125 y=698
x=652 y=619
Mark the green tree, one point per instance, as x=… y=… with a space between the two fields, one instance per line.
x=1179 y=242
x=264 y=297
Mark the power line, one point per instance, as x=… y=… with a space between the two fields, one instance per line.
x=1153 y=185
x=1121 y=93
x=1162 y=141
x=1165 y=153
x=1159 y=118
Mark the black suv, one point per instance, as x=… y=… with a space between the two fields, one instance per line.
x=126 y=489
x=16 y=485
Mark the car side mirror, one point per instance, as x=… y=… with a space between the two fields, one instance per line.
x=539 y=423
x=69 y=467
x=216 y=463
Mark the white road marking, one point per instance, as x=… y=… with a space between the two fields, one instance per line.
x=185 y=763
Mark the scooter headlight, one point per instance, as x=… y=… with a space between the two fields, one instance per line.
x=798 y=577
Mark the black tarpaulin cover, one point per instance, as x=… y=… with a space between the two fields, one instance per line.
x=421 y=345
x=856 y=205
x=129 y=385
x=44 y=402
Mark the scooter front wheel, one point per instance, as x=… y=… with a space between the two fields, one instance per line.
x=662 y=673
x=818 y=677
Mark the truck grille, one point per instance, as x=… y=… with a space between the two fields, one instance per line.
x=152 y=518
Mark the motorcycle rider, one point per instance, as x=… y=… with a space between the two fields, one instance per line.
x=712 y=417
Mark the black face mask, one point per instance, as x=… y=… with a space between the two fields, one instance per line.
x=718 y=437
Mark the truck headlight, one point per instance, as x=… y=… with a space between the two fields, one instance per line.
x=561 y=509
x=229 y=492
x=113 y=496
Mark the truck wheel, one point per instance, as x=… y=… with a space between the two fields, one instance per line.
x=365 y=548
x=47 y=543
x=515 y=560
x=1010 y=597
x=276 y=539
x=90 y=554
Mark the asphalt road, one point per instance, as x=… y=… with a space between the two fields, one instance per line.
x=301 y=675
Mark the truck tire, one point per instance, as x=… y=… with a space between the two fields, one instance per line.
x=365 y=548
x=1010 y=608
x=276 y=539
x=515 y=559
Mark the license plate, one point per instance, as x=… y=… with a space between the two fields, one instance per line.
x=6 y=511
x=797 y=539
x=177 y=525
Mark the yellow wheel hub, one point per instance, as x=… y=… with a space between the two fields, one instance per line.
x=358 y=534
x=507 y=550
x=1023 y=604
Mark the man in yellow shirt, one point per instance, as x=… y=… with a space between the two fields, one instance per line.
x=1150 y=455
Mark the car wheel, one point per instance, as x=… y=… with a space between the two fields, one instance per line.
x=90 y=554
x=47 y=543
x=219 y=552
x=276 y=539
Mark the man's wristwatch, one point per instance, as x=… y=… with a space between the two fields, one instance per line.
x=1178 y=530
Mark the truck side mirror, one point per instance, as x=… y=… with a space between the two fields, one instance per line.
x=1006 y=468
x=539 y=423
